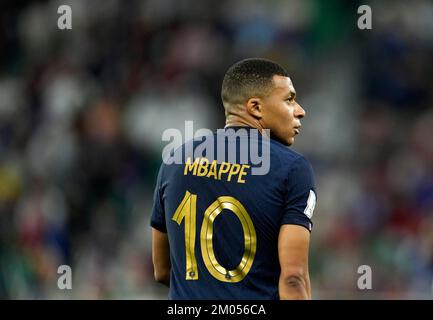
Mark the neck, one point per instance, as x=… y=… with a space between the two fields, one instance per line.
x=236 y=121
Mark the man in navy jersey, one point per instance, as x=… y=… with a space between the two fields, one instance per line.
x=222 y=229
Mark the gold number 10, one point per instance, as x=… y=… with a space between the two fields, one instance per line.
x=187 y=210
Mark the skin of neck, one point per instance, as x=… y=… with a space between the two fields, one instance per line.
x=240 y=117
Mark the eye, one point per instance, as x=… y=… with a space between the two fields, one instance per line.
x=291 y=99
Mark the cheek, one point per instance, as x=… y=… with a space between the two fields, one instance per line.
x=284 y=115
x=278 y=117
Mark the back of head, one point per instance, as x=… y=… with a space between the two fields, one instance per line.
x=249 y=78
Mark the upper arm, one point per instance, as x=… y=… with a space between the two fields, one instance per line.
x=294 y=236
x=293 y=247
x=301 y=195
x=157 y=218
x=160 y=255
x=160 y=244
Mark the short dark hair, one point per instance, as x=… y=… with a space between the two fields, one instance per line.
x=248 y=78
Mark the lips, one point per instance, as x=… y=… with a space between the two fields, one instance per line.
x=297 y=129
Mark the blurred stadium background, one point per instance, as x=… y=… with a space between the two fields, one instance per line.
x=82 y=112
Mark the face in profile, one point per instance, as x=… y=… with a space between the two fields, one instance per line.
x=281 y=113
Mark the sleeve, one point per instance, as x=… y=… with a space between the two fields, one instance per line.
x=157 y=219
x=301 y=195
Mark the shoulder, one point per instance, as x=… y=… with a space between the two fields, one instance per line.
x=287 y=157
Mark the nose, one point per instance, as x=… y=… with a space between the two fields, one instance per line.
x=299 y=112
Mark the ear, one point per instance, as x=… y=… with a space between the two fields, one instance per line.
x=255 y=107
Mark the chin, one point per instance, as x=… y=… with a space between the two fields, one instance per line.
x=289 y=141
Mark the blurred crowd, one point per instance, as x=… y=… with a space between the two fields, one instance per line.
x=82 y=112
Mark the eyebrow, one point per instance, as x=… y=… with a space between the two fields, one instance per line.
x=292 y=93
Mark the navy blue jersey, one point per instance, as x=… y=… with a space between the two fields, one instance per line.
x=223 y=220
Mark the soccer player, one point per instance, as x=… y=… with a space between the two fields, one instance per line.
x=219 y=230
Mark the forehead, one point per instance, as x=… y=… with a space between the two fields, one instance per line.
x=283 y=84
